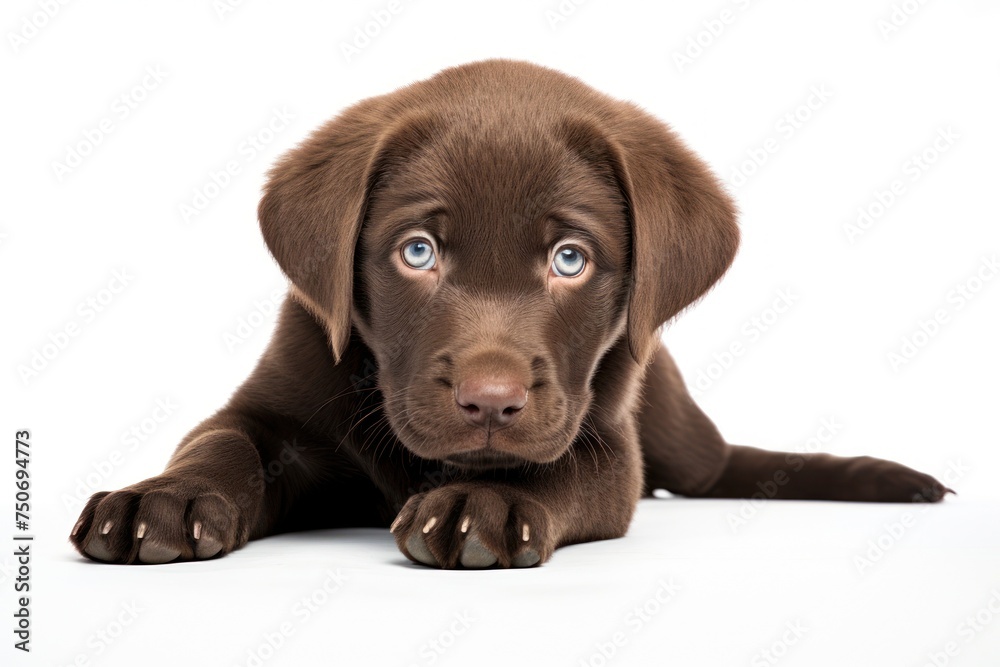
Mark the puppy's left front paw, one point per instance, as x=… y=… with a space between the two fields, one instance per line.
x=474 y=525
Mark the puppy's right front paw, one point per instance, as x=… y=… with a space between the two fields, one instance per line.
x=159 y=520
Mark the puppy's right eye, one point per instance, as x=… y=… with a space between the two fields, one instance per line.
x=418 y=254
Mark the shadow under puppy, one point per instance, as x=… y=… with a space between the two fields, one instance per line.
x=480 y=263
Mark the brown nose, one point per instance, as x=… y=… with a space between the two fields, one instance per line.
x=491 y=402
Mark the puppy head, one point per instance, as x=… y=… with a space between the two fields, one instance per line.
x=491 y=233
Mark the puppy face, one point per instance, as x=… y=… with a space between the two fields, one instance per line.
x=492 y=275
x=490 y=233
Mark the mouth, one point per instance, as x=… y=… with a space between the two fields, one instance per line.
x=484 y=459
x=431 y=435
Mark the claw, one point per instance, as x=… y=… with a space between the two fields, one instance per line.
x=430 y=524
x=395 y=524
x=196 y=530
x=76 y=528
x=107 y=527
x=141 y=531
x=465 y=524
x=525 y=533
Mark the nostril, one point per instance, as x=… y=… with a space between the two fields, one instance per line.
x=491 y=402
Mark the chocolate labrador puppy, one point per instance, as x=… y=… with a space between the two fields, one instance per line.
x=480 y=264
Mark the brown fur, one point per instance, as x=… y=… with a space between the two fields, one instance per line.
x=351 y=417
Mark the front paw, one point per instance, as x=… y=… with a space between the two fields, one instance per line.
x=160 y=520
x=474 y=525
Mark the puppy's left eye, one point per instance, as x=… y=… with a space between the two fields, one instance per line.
x=568 y=262
x=419 y=254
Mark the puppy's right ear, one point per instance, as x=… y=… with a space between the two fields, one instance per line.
x=314 y=205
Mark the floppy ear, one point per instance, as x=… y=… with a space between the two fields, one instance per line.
x=314 y=205
x=684 y=233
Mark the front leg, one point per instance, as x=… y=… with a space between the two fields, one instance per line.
x=517 y=518
x=205 y=504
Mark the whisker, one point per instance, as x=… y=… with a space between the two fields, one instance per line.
x=335 y=397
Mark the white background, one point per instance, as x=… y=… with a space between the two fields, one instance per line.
x=888 y=90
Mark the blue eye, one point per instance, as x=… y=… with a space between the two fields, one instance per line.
x=419 y=254
x=568 y=262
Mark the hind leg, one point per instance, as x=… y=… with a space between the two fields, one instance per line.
x=756 y=472
x=684 y=453
x=682 y=450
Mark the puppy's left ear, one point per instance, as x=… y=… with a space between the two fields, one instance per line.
x=684 y=232
x=315 y=200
